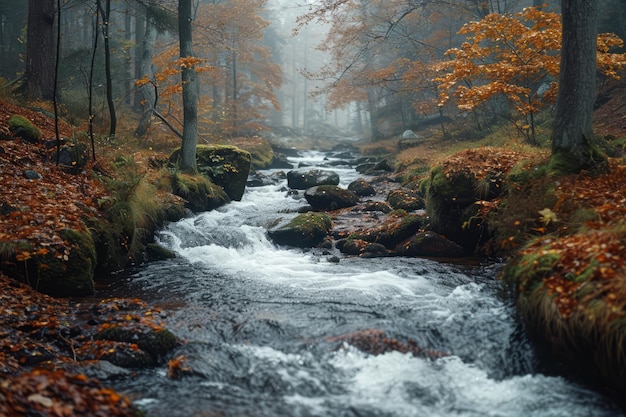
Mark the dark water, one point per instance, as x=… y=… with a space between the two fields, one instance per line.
x=258 y=321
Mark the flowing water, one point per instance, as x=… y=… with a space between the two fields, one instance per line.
x=261 y=325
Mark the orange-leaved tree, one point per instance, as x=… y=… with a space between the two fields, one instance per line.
x=517 y=56
x=237 y=78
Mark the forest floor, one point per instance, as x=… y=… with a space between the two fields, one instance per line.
x=39 y=330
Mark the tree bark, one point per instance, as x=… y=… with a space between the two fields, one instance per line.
x=572 y=129
x=40 y=50
x=146 y=94
x=106 y=16
x=187 y=161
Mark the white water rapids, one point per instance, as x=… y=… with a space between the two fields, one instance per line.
x=256 y=319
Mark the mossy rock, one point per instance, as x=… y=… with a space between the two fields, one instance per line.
x=22 y=127
x=450 y=199
x=429 y=244
x=156 y=252
x=404 y=199
x=261 y=151
x=156 y=342
x=394 y=229
x=65 y=273
x=330 y=197
x=226 y=166
x=305 y=230
x=199 y=192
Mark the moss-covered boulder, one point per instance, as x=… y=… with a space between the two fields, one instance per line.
x=305 y=230
x=458 y=183
x=359 y=247
x=330 y=197
x=301 y=179
x=23 y=128
x=199 y=192
x=260 y=149
x=572 y=298
x=362 y=188
x=226 y=166
x=63 y=270
x=429 y=244
x=404 y=199
x=154 y=342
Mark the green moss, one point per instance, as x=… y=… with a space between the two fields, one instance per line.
x=312 y=223
x=527 y=272
x=24 y=128
x=199 y=192
x=586 y=157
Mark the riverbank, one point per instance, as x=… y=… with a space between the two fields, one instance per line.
x=576 y=223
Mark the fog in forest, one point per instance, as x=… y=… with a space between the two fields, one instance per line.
x=365 y=68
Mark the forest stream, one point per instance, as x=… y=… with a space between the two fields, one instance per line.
x=270 y=331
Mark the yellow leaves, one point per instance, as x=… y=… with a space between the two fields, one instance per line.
x=548 y=216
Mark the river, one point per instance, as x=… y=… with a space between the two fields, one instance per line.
x=263 y=328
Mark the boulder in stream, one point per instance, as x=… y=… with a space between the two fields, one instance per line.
x=305 y=230
x=301 y=179
x=330 y=197
x=225 y=166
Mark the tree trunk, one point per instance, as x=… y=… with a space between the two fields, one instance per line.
x=187 y=162
x=146 y=94
x=106 y=15
x=571 y=149
x=39 y=74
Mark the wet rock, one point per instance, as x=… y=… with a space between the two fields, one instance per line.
x=199 y=192
x=330 y=197
x=351 y=246
x=259 y=179
x=156 y=252
x=6 y=208
x=301 y=179
x=72 y=157
x=376 y=206
x=429 y=244
x=226 y=166
x=393 y=230
x=153 y=345
x=305 y=230
x=404 y=199
x=361 y=188
x=374 y=250
x=29 y=174
x=376 y=342
x=280 y=162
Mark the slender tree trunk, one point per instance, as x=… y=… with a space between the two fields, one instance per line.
x=188 y=161
x=571 y=150
x=129 y=62
x=146 y=94
x=40 y=50
x=140 y=30
x=106 y=15
x=96 y=32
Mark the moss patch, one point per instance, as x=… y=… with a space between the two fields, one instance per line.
x=23 y=128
